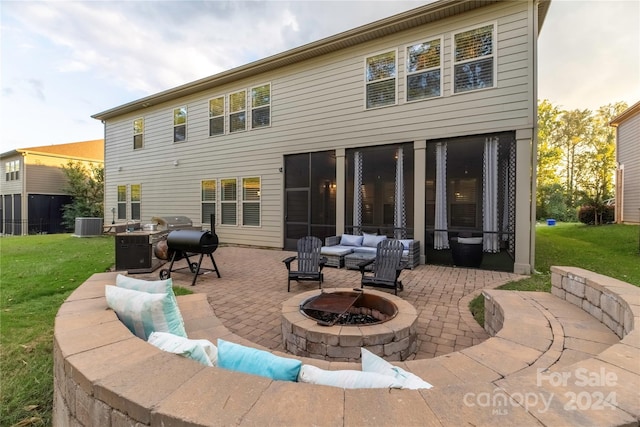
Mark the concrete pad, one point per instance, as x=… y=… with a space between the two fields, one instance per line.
x=213 y=397
x=467 y=369
x=138 y=387
x=286 y=403
x=480 y=405
x=502 y=356
x=393 y=407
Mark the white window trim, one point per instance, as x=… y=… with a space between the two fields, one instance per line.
x=246 y=113
x=214 y=202
x=494 y=56
x=125 y=201
x=186 y=122
x=364 y=63
x=224 y=116
x=440 y=67
x=221 y=201
x=259 y=202
x=251 y=107
x=139 y=133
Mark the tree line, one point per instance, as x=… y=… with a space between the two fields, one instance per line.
x=576 y=162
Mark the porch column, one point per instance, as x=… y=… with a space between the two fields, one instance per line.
x=525 y=223
x=419 y=198
x=341 y=190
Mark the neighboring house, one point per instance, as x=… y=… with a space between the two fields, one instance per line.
x=32 y=190
x=421 y=125
x=627 y=126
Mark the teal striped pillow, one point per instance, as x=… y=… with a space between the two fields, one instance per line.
x=144 y=313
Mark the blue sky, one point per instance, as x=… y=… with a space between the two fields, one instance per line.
x=62 y=61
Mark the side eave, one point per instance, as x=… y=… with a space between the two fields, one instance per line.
x=626 y=114
x=413 y=18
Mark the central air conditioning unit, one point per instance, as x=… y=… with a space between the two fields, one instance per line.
x=88 y=227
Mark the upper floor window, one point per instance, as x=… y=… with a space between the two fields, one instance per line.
x=474 y=59
x=138 y=132
x=180 y=124
x=238 y=111
x=424 y=70
x=136 y=198
x=12 y=170
x=228 y=201
x=216 y=116
x=261 y=106
x=380 y=78
x=251 y=201
x=208 y=199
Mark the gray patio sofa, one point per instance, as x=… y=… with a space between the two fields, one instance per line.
x=337 y=247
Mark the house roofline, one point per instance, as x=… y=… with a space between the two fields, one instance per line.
x=635 y=108
x=410 y=19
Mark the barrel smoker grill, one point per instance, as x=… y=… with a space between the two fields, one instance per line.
x=186 y=243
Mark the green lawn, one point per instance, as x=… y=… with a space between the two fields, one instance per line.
x=611 y=250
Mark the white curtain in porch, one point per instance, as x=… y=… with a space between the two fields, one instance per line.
x=441 y=236
x=491 y=240
x=399 y=214
x=357 y=192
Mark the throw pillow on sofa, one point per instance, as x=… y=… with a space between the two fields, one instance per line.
x=350 y=240
x=372 y=240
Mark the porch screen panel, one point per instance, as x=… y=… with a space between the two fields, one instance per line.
x=490 y=241
x=441 y=236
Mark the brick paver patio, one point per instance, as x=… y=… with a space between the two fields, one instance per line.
x=249 y=295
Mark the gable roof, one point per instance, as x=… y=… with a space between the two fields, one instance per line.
x=413 y=18
x=626 y=114
x=87 y=150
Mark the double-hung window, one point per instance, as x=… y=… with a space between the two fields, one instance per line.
x=136 y=198
x=474 y=59
x=208 y=196
x=238 y=111
x=12 y=170
x=251 y=201
x=380 y=79
x=261 y=106
x=122 y=202
x=228 y=201
x=180 y=124
x=138 y=133
x=424 y=70
x=216 y=116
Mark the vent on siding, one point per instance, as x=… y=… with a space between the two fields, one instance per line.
x=88 y=227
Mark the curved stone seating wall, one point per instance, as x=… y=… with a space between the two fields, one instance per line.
x=105 y=376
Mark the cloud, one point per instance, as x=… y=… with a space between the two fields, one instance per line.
x=152 y=46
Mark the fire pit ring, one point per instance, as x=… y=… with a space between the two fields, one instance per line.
x=394 y=339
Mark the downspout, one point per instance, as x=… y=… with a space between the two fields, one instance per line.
x=25 y=198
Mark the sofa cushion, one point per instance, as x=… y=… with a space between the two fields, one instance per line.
x=351 y=240
x=406 y=243
x=365 y=250
x=337 y=250
x=372 y=240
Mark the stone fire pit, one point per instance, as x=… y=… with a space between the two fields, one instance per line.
x=393 y=339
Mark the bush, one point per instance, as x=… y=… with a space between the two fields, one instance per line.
x=592 y=215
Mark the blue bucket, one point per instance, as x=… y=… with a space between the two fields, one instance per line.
x=551 y=222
